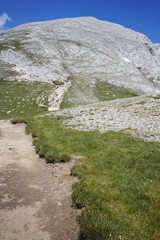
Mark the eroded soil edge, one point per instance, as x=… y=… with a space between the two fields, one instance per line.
x=35 y=197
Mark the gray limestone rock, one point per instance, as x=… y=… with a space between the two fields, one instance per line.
x=82 y=51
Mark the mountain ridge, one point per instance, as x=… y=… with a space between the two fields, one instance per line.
x=79 y=54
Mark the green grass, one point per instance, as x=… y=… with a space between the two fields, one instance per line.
x=3 y=47
x=119 y=179
x=158 y=97
x=119 y=175
x=14 y=43
x=103 y=91
x=18 y=99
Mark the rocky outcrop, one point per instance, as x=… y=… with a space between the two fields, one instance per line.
x=83 y=51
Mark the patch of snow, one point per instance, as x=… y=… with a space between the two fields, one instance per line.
x=126 y=59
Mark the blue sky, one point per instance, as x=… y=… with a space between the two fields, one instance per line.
x=139 y=15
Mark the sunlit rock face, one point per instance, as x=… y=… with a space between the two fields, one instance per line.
x=81 y=51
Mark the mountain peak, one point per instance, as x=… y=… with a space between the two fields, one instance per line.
x=82 y=54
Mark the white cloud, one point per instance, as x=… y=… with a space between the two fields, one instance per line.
x=3 y=19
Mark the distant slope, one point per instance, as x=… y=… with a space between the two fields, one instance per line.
x=80 y=56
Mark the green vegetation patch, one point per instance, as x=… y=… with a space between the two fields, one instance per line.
x=3 y=47
x=12 y=43
x=102 y=91
x=158 y=97
x=18 y=99
x=119 y=188
x=105 y=91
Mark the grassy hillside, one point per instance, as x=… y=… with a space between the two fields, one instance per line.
x=19 y=99
x=119 y=179
x=119 y=175
x=79 y=93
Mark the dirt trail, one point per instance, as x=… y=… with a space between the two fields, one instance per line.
x=35 y=197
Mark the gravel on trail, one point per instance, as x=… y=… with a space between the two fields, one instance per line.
x=35 y=197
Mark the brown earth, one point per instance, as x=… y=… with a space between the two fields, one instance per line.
x=35 y=197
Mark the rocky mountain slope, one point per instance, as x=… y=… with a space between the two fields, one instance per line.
x=139 y=116
x=81 y=56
